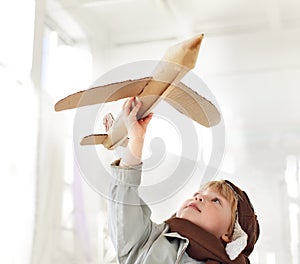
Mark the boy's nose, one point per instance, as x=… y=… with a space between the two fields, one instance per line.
x=199 y=198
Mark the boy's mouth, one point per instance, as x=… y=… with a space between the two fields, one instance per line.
x=193 y=206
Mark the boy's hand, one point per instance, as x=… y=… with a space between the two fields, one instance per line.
x=136 y=133
x=136 y=128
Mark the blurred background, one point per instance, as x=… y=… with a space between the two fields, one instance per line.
x=250 y=60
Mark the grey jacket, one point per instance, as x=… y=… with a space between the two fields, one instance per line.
x=135 y=237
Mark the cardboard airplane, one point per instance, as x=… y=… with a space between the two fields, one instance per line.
x=163 y=84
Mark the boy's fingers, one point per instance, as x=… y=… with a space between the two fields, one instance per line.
x=127 y=105
x=136 y=108
x=147 y=119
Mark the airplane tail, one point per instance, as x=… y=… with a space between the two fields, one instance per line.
x=104 y=139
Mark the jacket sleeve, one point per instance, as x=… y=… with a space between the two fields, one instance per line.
x=129 y=217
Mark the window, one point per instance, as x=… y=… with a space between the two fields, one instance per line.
x=292 y=179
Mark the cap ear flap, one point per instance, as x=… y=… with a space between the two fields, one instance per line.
x=247 y=218
x=238 y=243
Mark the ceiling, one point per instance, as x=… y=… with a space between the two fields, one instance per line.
x=125 y=22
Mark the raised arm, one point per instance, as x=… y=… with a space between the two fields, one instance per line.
x=129 y=217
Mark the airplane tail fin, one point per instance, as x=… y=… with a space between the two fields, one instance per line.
x=94 y=139
x=104 y=139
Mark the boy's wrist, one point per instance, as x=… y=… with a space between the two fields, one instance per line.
x=133 y=153
x=132 y=163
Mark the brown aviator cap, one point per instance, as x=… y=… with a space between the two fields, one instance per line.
x=247 y=218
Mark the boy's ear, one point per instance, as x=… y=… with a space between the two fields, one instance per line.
x=225 y=238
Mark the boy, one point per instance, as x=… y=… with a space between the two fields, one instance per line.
x=216 y=225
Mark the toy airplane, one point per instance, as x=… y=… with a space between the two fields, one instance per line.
x=164 y=84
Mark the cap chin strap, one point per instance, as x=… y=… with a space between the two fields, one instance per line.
x=238 y=242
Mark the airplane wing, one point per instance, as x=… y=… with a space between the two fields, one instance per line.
x=181 y=97
x=191 y=104
x=102 y=94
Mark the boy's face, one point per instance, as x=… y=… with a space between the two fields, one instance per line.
x=209 y=210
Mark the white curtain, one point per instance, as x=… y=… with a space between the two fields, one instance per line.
x=50 y=183
x=71 y=220
x=67 y=229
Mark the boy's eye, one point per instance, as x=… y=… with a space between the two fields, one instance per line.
x=216 y=200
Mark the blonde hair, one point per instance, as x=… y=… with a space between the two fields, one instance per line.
x=226 y=191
